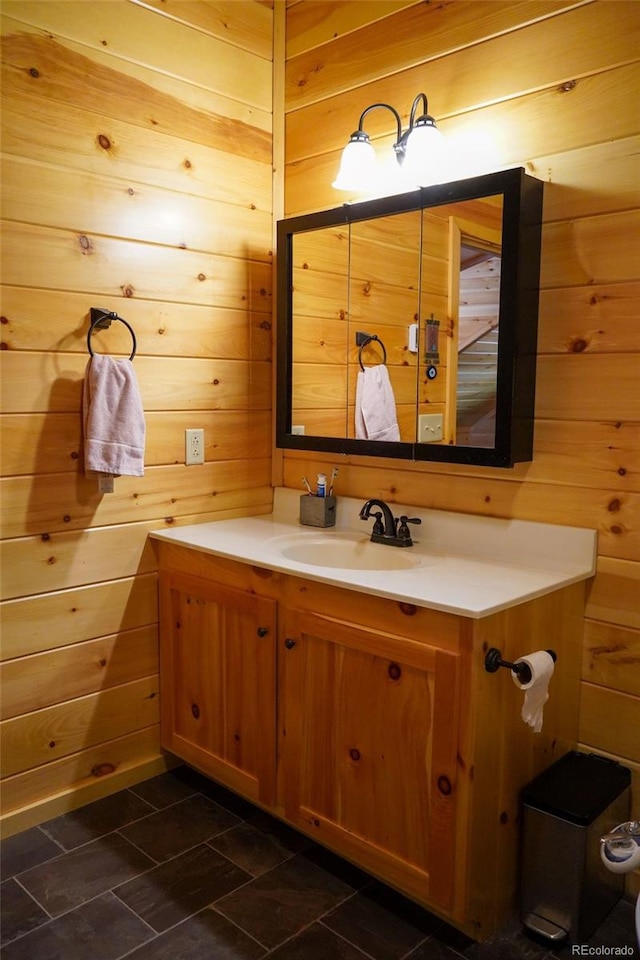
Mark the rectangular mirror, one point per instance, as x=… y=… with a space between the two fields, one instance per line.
x=407 y=326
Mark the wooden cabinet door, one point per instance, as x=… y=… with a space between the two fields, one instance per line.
x=217 y=682
x=368 y=726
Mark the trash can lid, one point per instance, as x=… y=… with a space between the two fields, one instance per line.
x=577 y=787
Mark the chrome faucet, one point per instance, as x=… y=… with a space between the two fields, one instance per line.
x=385 y=527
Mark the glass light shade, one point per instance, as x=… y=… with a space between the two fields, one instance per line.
x=358 y=166
x=424 y=157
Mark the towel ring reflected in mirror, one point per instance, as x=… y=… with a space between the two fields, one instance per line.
x=101 y=320
x=363 y=340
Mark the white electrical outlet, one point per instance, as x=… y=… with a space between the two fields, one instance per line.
x=193 y=446
x=298 y=429
x=429 y=427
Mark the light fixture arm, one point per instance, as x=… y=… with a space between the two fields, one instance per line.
x=414 y=105
x=387 y=106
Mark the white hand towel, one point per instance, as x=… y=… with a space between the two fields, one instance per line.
x=113 y=418
x=375 y=405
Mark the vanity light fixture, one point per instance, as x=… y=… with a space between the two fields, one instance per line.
x=418 y=151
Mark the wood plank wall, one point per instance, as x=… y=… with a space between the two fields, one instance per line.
x=137 y=176
x=555 y=85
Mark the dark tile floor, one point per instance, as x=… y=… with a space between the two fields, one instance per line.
x=177 y=868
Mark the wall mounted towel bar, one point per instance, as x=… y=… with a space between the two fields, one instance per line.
x=101 y=319
x=362 y=339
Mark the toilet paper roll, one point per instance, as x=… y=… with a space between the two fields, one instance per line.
x=622 y=856
x=541 y=665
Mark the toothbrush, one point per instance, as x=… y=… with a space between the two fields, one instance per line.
x=334 y=474
x=307 y=485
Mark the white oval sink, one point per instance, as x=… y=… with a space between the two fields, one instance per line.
x=349 y=554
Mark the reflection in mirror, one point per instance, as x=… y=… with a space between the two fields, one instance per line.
x=478 y=331
x=384 y=281
x=459 y=308
x=320 y=349
x=437 y=268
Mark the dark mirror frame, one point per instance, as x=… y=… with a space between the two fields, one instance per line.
x=517 y=342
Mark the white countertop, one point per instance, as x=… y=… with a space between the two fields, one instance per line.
x=462 y=564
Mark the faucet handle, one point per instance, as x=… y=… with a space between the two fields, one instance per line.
x=378 y=527
x=403 y=529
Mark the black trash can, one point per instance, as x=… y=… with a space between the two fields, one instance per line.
x=566 y=890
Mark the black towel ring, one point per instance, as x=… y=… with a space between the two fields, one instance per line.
x=101 y=319
x=363 y=339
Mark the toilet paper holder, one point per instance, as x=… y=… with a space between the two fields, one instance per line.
x=493 y=661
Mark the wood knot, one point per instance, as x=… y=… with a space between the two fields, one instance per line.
x=409 y=609
x=578 y=345
x=34 y=72
x=444 y=786
x=127 y=291
x=187 y=164
x=614 y=505
x=201 y=277
x=104 y=141
x=102 y=769
x=567 y=86
x=354 y=754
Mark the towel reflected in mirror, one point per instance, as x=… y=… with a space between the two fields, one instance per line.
x=376 y=417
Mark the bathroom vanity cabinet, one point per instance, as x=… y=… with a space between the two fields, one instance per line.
x=368 y=724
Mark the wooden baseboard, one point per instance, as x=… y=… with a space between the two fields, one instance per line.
x=78 y=796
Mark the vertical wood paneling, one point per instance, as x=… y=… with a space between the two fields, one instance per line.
x=538 y=114
x=148 y=192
